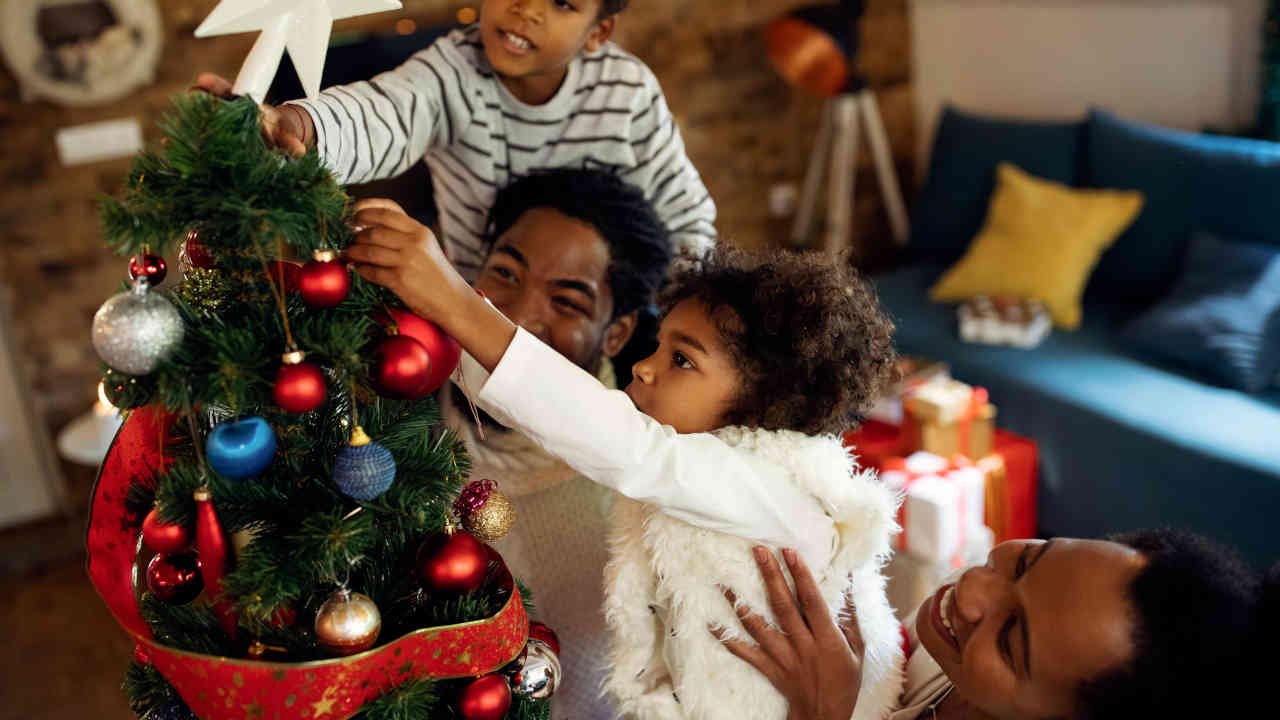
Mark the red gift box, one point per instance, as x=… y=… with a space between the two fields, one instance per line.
x=1011 y=501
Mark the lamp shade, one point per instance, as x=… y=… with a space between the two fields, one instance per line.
x=815 y=48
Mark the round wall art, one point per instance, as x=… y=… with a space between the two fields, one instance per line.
x=80 y=52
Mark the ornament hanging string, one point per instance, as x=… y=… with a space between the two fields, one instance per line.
x=277 y=292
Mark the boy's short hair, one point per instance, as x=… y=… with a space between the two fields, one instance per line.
x=639 y=246
x=805 y=330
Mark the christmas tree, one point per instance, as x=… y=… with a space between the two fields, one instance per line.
x=285 y=467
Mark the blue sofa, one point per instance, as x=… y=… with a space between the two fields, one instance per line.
x=1126 y=442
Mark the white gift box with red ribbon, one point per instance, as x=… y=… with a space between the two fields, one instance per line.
x=943 y=506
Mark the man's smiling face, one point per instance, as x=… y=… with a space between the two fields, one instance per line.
x=549 y=274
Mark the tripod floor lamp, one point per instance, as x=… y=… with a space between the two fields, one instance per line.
x=815 y=49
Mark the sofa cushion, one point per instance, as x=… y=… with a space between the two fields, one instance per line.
x=1041 y=240
x=1124 y=443
x=1223 y=317
x=962 y=174
x=1225 y=185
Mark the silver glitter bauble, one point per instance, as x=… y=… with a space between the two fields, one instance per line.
x=348 y=623
x=536 y=674
x=136 y=329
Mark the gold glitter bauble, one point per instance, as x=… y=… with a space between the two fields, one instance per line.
x=492 y=520
x=203 y=289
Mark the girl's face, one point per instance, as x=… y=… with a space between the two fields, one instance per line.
x=1020 y=634
x=690 y=382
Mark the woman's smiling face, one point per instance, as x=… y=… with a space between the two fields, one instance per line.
x=1019 y=635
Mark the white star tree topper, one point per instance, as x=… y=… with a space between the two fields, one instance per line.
x=301 y=26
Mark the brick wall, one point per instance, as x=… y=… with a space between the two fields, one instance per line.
x=744 y=129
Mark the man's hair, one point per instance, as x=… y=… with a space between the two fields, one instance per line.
x=612 y=7
x=1204 y=623
x=639 y=246
x=805 y=330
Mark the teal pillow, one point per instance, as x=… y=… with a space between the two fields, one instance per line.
x=952 y=205
x=1223 y=316
x=1190 y=181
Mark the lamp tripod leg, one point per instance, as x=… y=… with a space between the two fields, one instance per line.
x=843 y=173
x=885 y=171
x=818 y=159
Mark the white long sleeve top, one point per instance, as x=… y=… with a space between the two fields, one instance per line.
x=697 y=478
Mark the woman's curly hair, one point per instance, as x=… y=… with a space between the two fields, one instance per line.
x=806 y=331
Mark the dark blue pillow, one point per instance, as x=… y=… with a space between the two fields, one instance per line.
x=950 y=209
x=1223 y=317
x=1189 y=181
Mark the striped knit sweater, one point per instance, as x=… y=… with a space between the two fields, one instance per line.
x=445 y=105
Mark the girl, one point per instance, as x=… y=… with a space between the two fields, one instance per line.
x=724 y=439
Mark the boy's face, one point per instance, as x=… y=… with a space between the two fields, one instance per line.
x=690 y=382
x=535 y=39
x=549 y=274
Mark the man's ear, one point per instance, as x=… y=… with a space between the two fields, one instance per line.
x=618 y=334
x=600 y=34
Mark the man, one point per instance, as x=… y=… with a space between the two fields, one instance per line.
x=576 y=257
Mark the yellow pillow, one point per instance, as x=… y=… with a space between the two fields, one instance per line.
x=1041 y=240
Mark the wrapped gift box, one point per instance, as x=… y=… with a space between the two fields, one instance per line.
x=946 y=417
x=943 y=506
x=911 y=579
x=913 y=372
x=1010 y=474
x=1018 y=322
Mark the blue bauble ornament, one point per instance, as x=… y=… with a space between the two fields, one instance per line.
x=170 y=710
x=241 y=448
x=364 y=469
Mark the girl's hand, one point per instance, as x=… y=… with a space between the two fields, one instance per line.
x=397 y=252
x=285 y=127
x=401 y=254
x=814 y=664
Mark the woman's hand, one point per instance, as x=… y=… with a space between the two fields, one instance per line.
x=285 y=127
x=816 y=665
x=401 y=254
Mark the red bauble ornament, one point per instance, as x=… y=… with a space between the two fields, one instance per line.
x=215 y=553
x=163 y=537
x=324 y=282
x=285 y=275
x=300 y=386
x=443 y=350
x=197 y=254
x=538 y=631
x=487 y=698
x=152 y=267
x=175 y=578
x=452 y=563
x=402 y=368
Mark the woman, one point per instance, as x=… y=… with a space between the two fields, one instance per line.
x=1156 y=624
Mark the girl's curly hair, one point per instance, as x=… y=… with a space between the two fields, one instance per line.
x=806 y=331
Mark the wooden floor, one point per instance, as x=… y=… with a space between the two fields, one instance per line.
x=63 y=657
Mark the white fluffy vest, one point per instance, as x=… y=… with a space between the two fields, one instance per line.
x=662 y=593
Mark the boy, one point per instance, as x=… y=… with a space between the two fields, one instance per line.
x=535 y=84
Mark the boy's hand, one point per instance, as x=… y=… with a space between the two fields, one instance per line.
x=285 y=127
x=397 y=252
